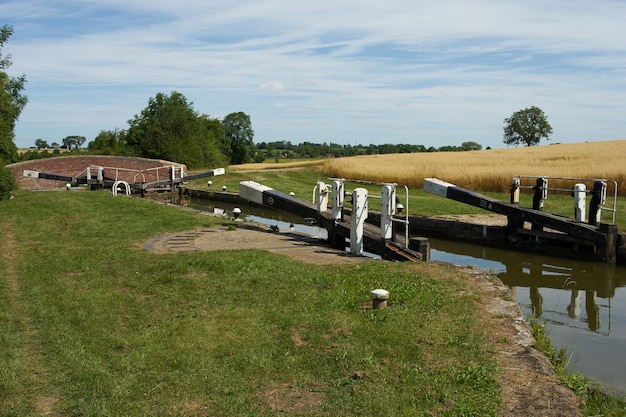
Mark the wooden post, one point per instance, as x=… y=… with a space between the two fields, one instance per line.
x=598 y=198
x=541 y=193
x=515 y=190
x=608 y=249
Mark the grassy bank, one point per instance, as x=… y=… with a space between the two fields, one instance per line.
x=94 y=325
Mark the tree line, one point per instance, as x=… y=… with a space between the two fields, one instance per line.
x=286 y=149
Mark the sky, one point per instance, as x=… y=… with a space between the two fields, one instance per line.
x=432 y=73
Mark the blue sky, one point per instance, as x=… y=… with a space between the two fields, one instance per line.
x=402 y=71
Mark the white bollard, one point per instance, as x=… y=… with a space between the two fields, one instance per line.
x=357 y=220
x=387 y=211
x=580 y=202
x=379 y=298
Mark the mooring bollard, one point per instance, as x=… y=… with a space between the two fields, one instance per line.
x=379 y=298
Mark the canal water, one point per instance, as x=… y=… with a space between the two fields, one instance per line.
x=583 y=304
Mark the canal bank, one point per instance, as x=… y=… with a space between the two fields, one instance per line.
x=582 y=303
x=529 y=385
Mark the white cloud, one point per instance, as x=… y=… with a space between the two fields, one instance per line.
x=272 y=86
x=405 y=70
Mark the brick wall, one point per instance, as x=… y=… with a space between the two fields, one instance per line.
x=115 y=167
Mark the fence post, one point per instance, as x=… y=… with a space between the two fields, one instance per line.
x=515 y=190
x=541 y=193
x=387 y=211
x=357 y=220
x=321 y=197
x=598 y=198
x=338 y=197
x=580 y=201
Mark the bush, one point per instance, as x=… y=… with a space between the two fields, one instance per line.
x=7 y=183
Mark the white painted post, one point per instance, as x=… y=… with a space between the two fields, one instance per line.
x=580 y=202
x=321 y=197
x=88 y=173
x=338 y=197
x=100 y=174
x=357 y=220
x=387 y=211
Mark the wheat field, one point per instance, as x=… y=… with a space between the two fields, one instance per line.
x=490 y=170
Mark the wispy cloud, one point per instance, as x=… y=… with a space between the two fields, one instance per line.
x=402 y=71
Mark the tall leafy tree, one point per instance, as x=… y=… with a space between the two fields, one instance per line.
x=73 y=142
x=169 y=128
x=108 y=142
x=527 y=127
x=40 y=143
x=239 y=135
x=12 y=102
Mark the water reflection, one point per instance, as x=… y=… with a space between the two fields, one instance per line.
x=582 y=303
x=576 y=281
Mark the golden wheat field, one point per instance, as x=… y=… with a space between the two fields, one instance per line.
x=490 y=170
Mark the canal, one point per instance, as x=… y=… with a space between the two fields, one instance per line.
x=583 y=304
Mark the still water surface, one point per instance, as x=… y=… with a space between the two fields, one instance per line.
x=583 y=304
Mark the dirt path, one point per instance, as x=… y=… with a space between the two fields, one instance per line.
x=529 y=385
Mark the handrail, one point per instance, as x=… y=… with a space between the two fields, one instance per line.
x=613 y=210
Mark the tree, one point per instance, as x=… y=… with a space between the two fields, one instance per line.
x=169 y=128
x=471 y=146
x=74 y=142
x=527 y=126
x=239 y=133
x=40 y=143
x=12 y=102
x=108 y=142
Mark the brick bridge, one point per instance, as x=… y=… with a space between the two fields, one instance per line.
x=115 y=167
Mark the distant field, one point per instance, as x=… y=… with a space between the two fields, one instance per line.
x=489 y=170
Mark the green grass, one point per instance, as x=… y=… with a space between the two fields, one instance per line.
x=596 y=402
x=94 y=325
